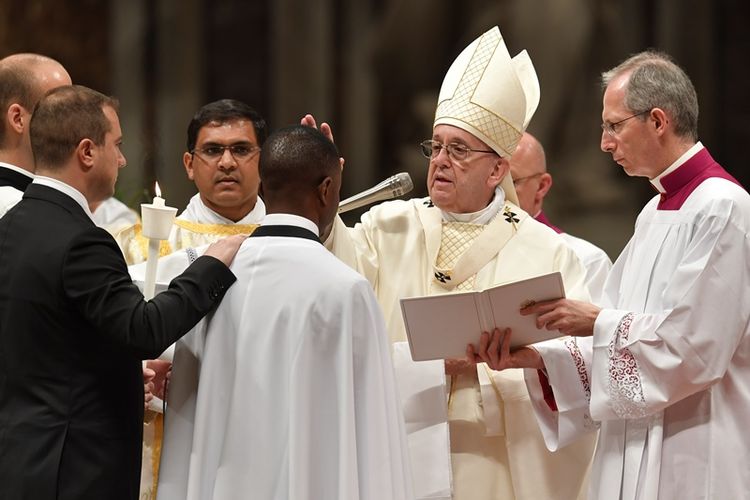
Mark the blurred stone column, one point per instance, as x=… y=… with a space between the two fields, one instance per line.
x=356 y=92
x=320 y=66
x=127 y=50
x=179 y=67
x=157 y=60
x=302 y=69
x=690 y=35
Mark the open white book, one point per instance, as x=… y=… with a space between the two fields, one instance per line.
x=440 y=326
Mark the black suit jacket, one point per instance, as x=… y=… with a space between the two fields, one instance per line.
x=12 y=178
x=73 y=332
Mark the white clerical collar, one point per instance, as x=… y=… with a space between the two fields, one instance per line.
x=290 y=220
x=65 y=189
x=656 y=181
x=197 y=211
x=17 y=169
x=484 y=216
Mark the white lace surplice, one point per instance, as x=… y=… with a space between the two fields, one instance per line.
x=668 y=369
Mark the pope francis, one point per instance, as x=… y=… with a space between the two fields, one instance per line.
x=471 y=430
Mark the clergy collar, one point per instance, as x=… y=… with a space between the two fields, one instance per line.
x=290 y=220
x=540 y=217
x=679 y=184
x=65 y=189
x=657 y=181
x=483 y=216
x=197 y=211
x=17 y=169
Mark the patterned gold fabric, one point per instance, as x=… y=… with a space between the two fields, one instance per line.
x=456 y=238
x=184 y=234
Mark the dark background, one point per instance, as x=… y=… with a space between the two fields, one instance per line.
x=372 y=68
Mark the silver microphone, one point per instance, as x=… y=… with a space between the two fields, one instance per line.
x=392 y=187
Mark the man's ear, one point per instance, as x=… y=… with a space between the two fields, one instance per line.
x=324 y=189
x=659 y=119
x=16 y=118
x=86 y=153
x=187 y=161
x=545 y=183
x=499 y=171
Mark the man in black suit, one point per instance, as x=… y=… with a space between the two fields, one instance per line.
x=73 y=327
x=24 y=79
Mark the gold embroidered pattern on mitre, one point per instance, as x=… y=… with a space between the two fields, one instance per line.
x=461 y=106
x=456 y=238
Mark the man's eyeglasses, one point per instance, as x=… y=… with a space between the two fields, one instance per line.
x=459 y=152
x=240 y=152
x=516 y=182
x=612 y=128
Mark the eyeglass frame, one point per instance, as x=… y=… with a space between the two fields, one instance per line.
x=609 y=128
x=526 y=177
x=201 y=152
x=449 y=150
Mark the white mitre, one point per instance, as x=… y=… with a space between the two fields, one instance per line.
x=491 y=96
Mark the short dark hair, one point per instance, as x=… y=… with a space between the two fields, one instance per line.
x=63 y=118
x=222 y=111
x=296 y=157
x=19 y=84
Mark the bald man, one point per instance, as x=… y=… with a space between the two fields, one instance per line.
x=528 y=166
x=24 y=79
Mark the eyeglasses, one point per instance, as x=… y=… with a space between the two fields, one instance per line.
x=612 y=129
x=459 y=152
x=516 y=182
x=240 y=152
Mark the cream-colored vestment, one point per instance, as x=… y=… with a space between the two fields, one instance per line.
x=406 y=249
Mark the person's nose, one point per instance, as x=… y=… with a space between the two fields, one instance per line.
x=442 y=159
x=227 y=161
x=607 y=143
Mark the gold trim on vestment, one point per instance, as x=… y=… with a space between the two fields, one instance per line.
x=223 y=229
x=501 y=404
x=156 y=453
x=485 y=247
x=165 y=248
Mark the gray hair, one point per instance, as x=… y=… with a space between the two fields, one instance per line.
x=656 y=81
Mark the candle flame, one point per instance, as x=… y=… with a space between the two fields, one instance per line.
x=157 y=190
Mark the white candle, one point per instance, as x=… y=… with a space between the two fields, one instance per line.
x=149 y=285
x=158 y=200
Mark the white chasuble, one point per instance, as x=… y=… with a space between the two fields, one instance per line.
x=666 y=375
x=496 y=449
x=296 y=396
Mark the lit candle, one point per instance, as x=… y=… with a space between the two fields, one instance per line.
x=158 y=200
